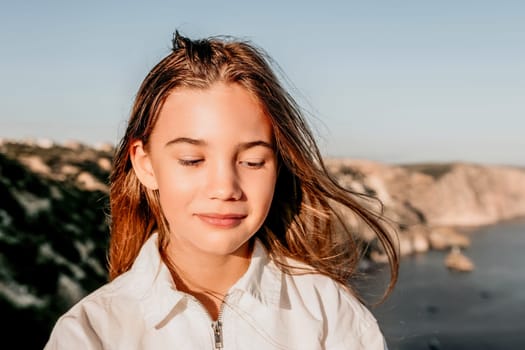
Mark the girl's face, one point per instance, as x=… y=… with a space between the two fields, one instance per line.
x=211 y=157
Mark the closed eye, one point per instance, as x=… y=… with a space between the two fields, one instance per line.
x=190 y=162
x=253 y=164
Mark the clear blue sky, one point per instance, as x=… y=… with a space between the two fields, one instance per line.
x=392 y=81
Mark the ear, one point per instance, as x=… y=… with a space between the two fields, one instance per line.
x=141 y=162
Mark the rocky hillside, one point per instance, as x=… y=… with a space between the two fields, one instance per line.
x=54 y=229
x=53 y=233
x=432 y=206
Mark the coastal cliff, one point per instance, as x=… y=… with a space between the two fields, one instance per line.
x=433 y=206
x=451 y=194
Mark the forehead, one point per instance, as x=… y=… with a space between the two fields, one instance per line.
x=220 y=111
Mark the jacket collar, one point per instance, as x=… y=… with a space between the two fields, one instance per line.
x=262 y=281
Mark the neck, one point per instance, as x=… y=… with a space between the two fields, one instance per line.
x=202 y=272
x=207 y=277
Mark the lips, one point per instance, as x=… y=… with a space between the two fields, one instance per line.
x=222 y=220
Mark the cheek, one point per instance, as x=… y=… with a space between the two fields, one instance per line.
x=171 y=178
x=263 y=190
x=175 y=190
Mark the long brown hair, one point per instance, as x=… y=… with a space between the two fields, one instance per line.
x=305 y=221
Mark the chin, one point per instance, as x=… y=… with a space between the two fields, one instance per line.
x=223 y=247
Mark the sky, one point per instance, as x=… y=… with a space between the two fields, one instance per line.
x=388 y=81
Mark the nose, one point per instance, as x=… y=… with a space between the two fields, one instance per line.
x=223 y=182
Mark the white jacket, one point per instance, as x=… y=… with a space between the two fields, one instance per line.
x=265 y=309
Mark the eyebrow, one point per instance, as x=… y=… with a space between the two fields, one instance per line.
x=197 y=142
x=186 y=140
x=247 y=145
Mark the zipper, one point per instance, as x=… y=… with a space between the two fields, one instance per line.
x=217 y=333
x=217 y=328
x=215 y=325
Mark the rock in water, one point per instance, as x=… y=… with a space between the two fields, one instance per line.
x=456 y=260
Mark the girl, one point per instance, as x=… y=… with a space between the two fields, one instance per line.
x=225 y=231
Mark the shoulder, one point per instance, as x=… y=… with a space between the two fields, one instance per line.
x=346 y=321
x=116 y=308
x=327 y=298
x=98 y=317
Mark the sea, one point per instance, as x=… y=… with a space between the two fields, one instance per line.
x=434 y=308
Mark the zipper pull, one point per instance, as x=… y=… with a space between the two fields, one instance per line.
x=217 y=333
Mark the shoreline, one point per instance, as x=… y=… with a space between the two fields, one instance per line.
x=432 y=308
x=441 y=239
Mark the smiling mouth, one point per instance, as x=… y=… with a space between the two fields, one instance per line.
x=222 y=220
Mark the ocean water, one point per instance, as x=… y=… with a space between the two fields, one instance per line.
x=434 y=308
